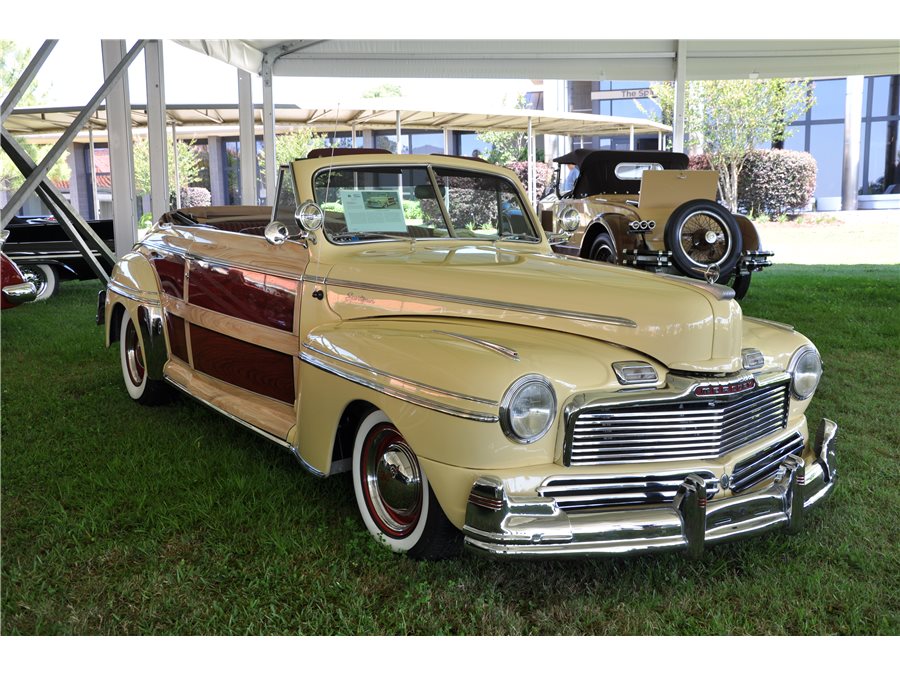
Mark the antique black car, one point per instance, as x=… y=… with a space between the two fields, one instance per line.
x=46 y=255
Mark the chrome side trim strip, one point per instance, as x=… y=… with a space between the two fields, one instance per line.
x=145 y=297
x=397 y=393
x=397 y=378
x=480 y=302
x=212 y=260
x=493 y=346
x=233 y=418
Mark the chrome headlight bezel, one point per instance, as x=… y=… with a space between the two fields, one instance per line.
x=569 y=220
x=804 y=363
x=517 y=389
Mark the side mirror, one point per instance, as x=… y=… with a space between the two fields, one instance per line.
x=277 y=232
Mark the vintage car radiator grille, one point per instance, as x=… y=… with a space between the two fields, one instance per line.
x=674 y=430
x=592 y=492
x=764 y=464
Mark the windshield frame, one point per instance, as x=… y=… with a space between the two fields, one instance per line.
x=453 y=235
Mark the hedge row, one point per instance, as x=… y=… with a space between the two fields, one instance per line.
x=773 y=182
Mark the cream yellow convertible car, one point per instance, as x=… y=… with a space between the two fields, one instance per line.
x=404 y=318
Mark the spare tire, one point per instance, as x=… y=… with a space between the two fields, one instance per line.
x=701 y=233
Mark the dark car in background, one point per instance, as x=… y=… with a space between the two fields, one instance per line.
x=46 y=255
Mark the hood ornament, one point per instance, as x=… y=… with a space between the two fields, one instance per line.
x=711 y=274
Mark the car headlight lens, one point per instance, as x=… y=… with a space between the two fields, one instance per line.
x=806 y=371
x=569 y=220
x=528 y=409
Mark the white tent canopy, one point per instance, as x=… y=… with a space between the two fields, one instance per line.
x=558 y=59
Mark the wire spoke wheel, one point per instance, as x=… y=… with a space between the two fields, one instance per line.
x=703 y=236
x=705 y=239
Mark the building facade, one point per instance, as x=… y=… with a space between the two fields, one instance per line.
x=851 y=130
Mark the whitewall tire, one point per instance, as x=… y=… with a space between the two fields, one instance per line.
x=393 y=494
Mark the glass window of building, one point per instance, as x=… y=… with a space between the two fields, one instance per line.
x=830 y=99
x=826 y=144
x=468 y=143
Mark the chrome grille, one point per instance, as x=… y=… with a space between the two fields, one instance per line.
x=674 y=430
x=764 y=464
x=593 y=492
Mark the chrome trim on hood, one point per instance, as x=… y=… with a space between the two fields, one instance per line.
x=481 y=302
x=493 y=346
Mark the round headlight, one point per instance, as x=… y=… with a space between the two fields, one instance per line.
x=309 y=216
x=528 y=409
x=806 y=371
x=569 y=220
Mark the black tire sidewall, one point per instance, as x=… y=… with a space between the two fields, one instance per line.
x=603 y=239
x=672 y=237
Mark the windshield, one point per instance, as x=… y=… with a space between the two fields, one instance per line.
x=388 y=202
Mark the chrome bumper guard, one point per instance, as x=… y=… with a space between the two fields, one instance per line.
x=17 y=294
x=502 y=524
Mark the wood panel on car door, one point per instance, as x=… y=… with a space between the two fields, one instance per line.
x=233 y=324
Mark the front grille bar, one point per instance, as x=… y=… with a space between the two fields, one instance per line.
x=592 y=492
x=667 y=429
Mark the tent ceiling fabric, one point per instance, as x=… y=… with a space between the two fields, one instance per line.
x=346 y=117
x=558 y=59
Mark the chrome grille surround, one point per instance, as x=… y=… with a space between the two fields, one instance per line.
x=764 y=464
x=578 y=493
x=675 y=423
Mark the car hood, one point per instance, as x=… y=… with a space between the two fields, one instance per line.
x=681 y=324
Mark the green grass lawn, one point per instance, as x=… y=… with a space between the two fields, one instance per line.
x=121 y=519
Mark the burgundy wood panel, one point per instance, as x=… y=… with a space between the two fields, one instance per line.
x=177 y=339
x=265 y=299
x=170 y=269
x=243 y=364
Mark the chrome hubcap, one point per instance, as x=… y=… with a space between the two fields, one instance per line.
x=134 y=358
x=36 y=276
x=392 y=481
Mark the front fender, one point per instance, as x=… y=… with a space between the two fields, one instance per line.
x=441 y=382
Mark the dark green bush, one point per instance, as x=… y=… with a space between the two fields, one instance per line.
x=773 y=182
x=776 y=182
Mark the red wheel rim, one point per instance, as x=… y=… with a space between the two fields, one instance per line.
x=134 y=357
x=392 y=481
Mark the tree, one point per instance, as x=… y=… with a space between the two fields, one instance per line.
x=13 y=61
x=188 y=166
x=727 y=119
x=297 y=144
x=506 y=146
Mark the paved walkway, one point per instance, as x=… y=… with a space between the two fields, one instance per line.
x=838 y=238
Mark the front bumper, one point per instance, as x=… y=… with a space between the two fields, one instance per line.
x=497 y=523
